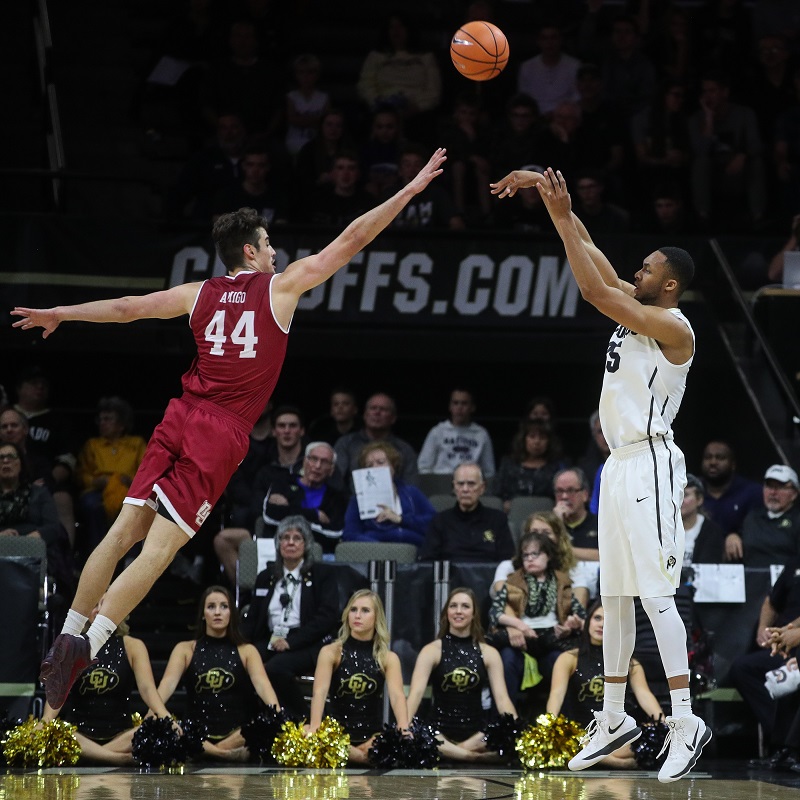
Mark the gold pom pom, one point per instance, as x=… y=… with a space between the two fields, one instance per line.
x=42 y=744
x=329 y=746
x=291 y=745
x=550 y=742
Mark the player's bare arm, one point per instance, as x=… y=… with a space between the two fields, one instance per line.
x=313 y=270
x=157 y=305
x=523 y=179
x=657 y=322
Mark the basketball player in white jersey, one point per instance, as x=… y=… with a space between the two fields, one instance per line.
x=640 y=531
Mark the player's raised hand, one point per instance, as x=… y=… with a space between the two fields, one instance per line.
x=518 y=179
x=36 y=318
x=555 y=195
x=431 y=170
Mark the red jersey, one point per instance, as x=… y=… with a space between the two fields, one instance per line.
x=240 y=346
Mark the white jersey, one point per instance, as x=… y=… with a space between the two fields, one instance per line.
x=642 y=390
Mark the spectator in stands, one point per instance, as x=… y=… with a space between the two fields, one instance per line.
x=669 y=216
x=661 y=139
x=100 y=704
x=219 y=649
x=26 y=508
x=728 y=179
x=549 y=77
x=310 y=495
x=705 y=540
x=723 y=31
x=469 y=531
x=397 y=75
x=530 y=467
x=247 y=80
x=411 y=512
x=457 y=440
x=598 y=216
x=597 y=451
x=775 y=273
x=339 y=203
x=209 y=171
x=431 y=208
x=534 y=611
x=780 y=608
x=467 y=138
x=628 y=74
x=314 y=166
x=295 y=607
x=515 y=141
x=14 y=429
x=457 y=713
x=576 y=688
x=548 y=524
x=571 y=491
x=48 y=436
x=257 y=189
x=728 y=497
x=106 y=466
x=305 y=104
x=543 y=408
x=342 y=419
x=380 y=414
x=380 y=154
x=770 y=535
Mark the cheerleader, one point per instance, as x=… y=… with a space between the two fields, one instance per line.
x=460 y=666
x=352 y=673
x=222 y=675
x=576 y=687
x=99 y=704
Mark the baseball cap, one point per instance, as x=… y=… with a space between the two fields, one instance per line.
x=782 y=473
x=693 y=482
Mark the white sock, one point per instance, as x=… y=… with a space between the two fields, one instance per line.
x=614 y=698
x=681 y=702
x=74 y=623
x=99 y=633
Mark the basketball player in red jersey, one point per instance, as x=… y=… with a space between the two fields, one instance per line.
x=240 y=324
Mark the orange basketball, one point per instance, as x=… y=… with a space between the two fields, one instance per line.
x=479 y=50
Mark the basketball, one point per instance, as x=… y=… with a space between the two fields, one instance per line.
x=479 y=50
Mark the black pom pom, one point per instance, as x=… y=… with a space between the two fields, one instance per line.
x=156 y=744
x=647 y=747
x=386 y=751
x=501 y=736
x=421 y=749
x=194 y=733
x=260 y=732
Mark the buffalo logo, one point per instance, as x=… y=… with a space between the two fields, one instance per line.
x=357 y=686
x=99 y=680
x=592 y=689
x=460 y=679
x=488 y=536
x=216 y=680
x=671 y=562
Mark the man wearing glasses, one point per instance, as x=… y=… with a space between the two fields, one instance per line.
x=310 y=495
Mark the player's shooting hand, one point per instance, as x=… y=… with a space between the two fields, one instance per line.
x=429 y=171
x=554 y=193
x=518 y=179
x=36 y=318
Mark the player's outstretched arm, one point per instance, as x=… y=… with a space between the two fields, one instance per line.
x=309 y=272
x=523 y=179
x=158 y=305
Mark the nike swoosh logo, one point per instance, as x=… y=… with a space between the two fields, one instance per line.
x=639 y=499
x=614 y=730
x=690 y=747
x=662 y=610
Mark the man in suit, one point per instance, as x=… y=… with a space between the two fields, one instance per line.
x=295 y=607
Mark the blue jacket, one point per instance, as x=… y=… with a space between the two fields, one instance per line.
x=417 y=513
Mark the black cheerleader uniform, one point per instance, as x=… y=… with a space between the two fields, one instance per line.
x=99 y=704
x=219 y=690
x=586 y=686
x=457 y=683
x=356 y=693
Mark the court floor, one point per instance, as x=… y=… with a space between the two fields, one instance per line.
x=721 y=780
